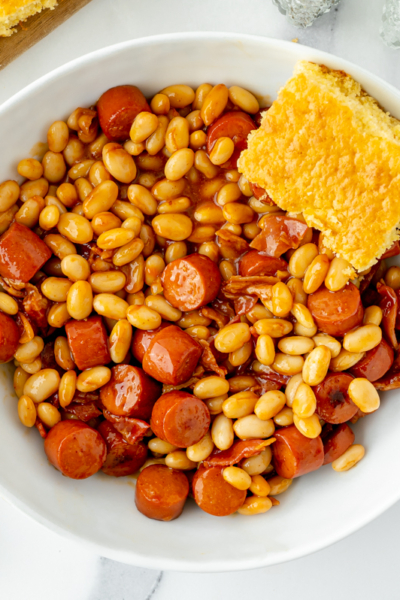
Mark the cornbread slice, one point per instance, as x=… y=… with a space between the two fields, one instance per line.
x=326 y=149
x=14 y=11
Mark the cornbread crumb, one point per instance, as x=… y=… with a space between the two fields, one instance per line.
x=14 y=11
x=326 y=149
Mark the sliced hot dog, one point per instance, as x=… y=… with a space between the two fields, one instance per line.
x=295 y=454
x=191 y=282
x=336 y=442
x=117 y=108
x=214 y=495
x=336 y=312
x=180 y=419
x=122 y=458
x=333 y=402
x=279 y=234
x=9 y=337
x=130 y=392
x=172 y=356
x=256 y=263
x=375 y=363
x=22 y=253
x=161 y=492
x=141 y=340
x=75 y=449
x=88 y=342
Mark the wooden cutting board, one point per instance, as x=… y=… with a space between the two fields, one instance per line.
x=36 y=28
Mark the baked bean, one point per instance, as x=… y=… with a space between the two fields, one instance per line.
x=254 y=505
x=363 y=339
x=98 y=173
x=310 y=427
x=56 y=288
x=349 y=459
x=7 y=304
x=42 y=385
x=345 y=360
x=198 y=332
x=269 y=405
x=142 y=198
x=155 y=142
x=258 y=312
x=144 y=124
x=174 y=227
x=239 y=405
x=178 y=459
x=251 y=427
x=119 y=163
x=287 y=365
x=279 y=484
x=114 y=238
x=127 y=253
x=239 y=357
x=232 y=337
x=339 y=273
x=323 y=339
x=160 y=104
x=110 y=281
x=9 y=194
x=284 y=418
x=168 y=190
x=237 y=477
x=301 y=259
x=179 y=164
x=316 y=365
x=222 y=432
x=49 y=217
x=20 y=378
x=204 y=164
x=229 y=193
x=29 y=212
x=275 y=328
x=201 y=450
x=48 y=414
x=214 y=405
x=364 y=395
x=237 y=213
x=316 y=273
x=304 y=331
x=74 y=151
x=195 y=121
x=259 y=486
x=54 y=167
x=296 y=288
x=30 y=168
x=392 y=278
x=75 y=228
x=28 y=352
x=67 y=388
x=163 y=308
x=39 y=187
x=211 y=387
x=200 y=95
x=109 y=305
x=179 y=95
x=265 y=349
x=143 y=317
x=177 y=134
x=80 y=300
x=93 y=379
x=26 y=411
x=304 y=403
x=148 y=162
x=83 y=187
x=197 y=140
x=58 y=315
x=53 y=201
x=296 y=345
x=243 y=99
x=303 y=316
x=62 y=353
x=160 y=446
x=222 y=151
x=282 y=300
x=255 y=465
x=75 y=267
x=373 y=315
x=214 y=103
x=100 y=199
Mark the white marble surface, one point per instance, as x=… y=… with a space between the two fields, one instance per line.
x=36 y=563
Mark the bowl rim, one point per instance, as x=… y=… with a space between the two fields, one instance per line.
x=174 y=564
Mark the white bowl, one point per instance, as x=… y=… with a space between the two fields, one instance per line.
x=318 y=509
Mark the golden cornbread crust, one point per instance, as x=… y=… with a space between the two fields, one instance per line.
x=327 y=150
x=14 y=11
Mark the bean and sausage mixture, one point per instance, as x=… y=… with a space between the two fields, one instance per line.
x=165 y=317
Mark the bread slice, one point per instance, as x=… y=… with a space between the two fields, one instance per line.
x=14 y=11
x=326 y=149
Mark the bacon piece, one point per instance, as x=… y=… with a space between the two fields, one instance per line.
x=12 y=287
x=279 y=234
x=390 y=381
x=228 y=241
x=27 y=329
x=209 y=361
x=388 y=305
x=132 y=430
x=84 y=412
x=190 y=383
x=234 y=454
x=210 y=313
x=36 y=305
x=259 y=286
x=244 y=304
x=40 y=427
x=367 y=279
